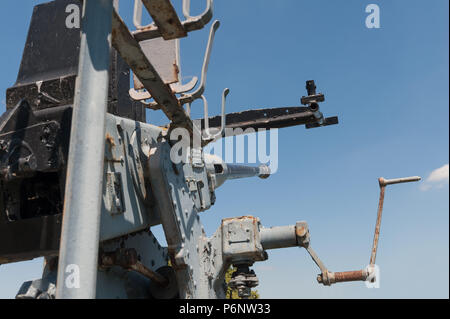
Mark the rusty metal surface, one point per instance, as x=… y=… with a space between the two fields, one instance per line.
x=329 y=278
x=166 y=19
x=131 y=52
x=128 y=259
x=357 y=275
x=265 y=118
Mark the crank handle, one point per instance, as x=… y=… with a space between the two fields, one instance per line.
x=328 y=278
x=385 y=182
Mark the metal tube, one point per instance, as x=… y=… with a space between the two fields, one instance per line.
x=384 y=182
x=78 y=254
x=345 y=276
x=278 y=237
x=235 y=171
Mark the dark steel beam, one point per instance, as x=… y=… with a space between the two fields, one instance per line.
x=166 y=18
x=269 y=118
x=190 y=24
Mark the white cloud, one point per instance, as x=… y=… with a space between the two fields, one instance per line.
x=437 y=178
x=439 y=174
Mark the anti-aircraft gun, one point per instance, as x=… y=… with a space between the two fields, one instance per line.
x=83 y=177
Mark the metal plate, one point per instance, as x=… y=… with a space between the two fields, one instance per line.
x=162 y=55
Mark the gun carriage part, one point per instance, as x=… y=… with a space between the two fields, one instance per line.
x=142 y=186
x=328 y=278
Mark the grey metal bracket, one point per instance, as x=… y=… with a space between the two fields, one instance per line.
x=180 y=220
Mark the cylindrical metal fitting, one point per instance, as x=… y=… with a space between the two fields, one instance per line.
x=278 y=237
x=345 y=276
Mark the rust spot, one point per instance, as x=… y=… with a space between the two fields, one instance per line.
x=350 y=276
x=110 y=140
x=300 y=231
x=239 y=218
x=176 y=71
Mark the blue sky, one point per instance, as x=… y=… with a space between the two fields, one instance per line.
x=389 y=87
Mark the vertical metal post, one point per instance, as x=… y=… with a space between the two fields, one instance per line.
x=78 y=254
x=373 y=254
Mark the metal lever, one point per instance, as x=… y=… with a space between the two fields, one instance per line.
x=383 y=183
x=218 y=132
x=327 y=278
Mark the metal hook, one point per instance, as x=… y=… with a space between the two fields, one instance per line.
x=186 y=98
x=137 y=15
x=187 y=9
x=223 y=116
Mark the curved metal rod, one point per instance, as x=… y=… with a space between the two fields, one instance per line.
x=210 y=136
x=141 y=95
x=182 y=88
x=137 y=16
x=187 y=9
x=185 y=98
